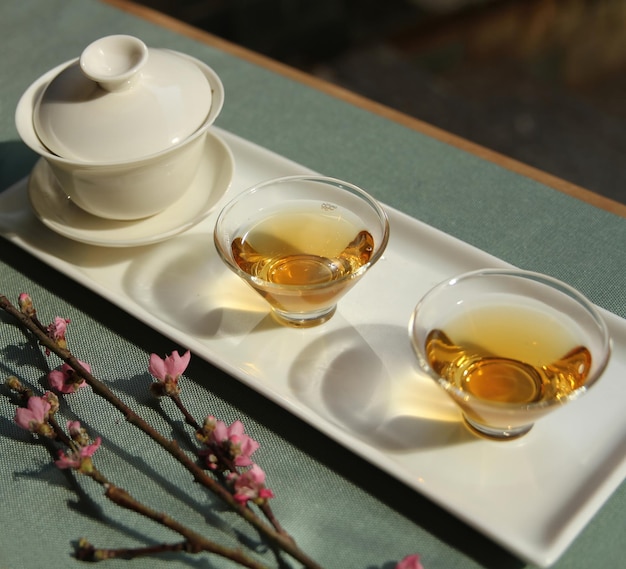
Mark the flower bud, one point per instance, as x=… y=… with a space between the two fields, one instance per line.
x=25 y=303
x=13 y=383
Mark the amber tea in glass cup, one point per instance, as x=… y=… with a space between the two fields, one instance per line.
x=509 y=346
x=302 y=242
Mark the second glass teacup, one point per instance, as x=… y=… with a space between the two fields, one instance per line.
x=302 y=242
x=509 y=346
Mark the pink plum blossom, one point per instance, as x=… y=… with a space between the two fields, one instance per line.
x=66 y=380
x=168 y=370
x=241 y=445
x=250 y=485
x=78 y=458
x=229 y=441
x=57 y=330
x=410 y=562
x=171 y=367
x=33 y=417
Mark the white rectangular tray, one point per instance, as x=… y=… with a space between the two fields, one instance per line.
x=355 y=378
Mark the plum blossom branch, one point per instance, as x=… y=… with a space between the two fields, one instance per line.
x=226 y=450
x=167 y=372
x=51 y=343
x=38 y=417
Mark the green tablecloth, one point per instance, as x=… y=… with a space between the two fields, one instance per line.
x=342 y=510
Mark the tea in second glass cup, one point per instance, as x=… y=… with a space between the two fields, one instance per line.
x=509 y=346
x=302 y=242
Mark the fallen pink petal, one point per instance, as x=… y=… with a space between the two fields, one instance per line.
x=410 y=562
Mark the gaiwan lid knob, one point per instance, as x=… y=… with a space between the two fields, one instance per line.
x=121 y=101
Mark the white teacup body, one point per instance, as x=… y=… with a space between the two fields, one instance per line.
x=131 y=190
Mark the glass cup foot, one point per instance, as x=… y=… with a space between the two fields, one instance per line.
x=299 y=320
x=497 y=433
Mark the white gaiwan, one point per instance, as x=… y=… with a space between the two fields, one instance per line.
x=122 y=127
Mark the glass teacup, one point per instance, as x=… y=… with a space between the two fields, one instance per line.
x=509 y=346
x=302 y=242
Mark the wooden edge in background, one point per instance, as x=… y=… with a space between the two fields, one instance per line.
x=190 y=31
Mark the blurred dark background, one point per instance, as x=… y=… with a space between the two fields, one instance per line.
x=542 y=81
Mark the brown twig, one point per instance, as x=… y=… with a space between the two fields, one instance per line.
x=194 y=542
x=85 y=551
x=189 y=419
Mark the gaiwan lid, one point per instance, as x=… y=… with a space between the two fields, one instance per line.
x=121 y=101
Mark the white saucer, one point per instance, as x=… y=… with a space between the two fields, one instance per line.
x=59 y=213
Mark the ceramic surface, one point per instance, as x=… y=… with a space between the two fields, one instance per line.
x=121 y=101
x=212 y=179
x=125 y=189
